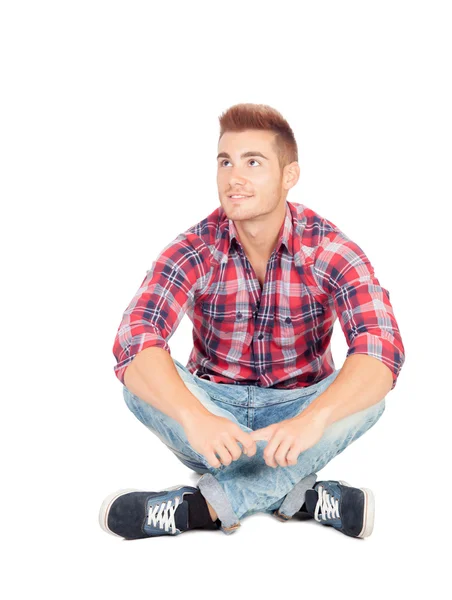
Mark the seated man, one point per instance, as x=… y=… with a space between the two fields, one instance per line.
x=259 y=408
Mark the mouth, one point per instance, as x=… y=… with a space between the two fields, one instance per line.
x=238 y=197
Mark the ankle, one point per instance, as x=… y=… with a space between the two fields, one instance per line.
x=199 y=516
x=213 y=514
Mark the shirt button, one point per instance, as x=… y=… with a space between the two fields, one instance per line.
x=288 y=320
x=260 y=336
x=239 y=315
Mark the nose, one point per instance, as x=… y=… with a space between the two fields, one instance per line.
x=236 y=179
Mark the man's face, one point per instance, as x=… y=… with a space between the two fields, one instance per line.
x=242 y=170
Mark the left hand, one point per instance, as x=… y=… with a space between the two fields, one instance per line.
x=288 y=438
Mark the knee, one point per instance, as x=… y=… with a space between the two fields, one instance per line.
x=134 y=404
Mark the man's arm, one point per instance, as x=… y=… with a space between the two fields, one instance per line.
x=144 y=363
x=374 y=358
x=159 y=304
x=361 y=382
x=153 y=377
x=376 y=352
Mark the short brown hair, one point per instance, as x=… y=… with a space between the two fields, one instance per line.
x=262 y=117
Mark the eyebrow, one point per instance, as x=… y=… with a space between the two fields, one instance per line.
x=244 y=155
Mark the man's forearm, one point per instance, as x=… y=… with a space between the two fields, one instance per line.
x=153 y=377
x=362 y=382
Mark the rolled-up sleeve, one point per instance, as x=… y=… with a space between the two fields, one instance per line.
x=159 y=304
x=366 y=315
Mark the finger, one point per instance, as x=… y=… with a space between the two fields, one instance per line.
x=248 y=443
x=259 y=434
x=281 y=452
x=213 y=460
x=223 y=453
x=271 y=448
x=263 y=434
x=293 y=454
x=231 y=445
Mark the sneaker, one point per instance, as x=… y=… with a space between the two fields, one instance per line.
x=134 y=514
x=337 y=504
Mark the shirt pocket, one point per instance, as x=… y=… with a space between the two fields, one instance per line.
x=226 y=321
x=294 y=324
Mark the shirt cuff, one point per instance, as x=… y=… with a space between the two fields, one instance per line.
x=379 y=347
x=138 y=344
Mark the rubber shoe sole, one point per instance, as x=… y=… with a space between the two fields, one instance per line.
x=369 y=511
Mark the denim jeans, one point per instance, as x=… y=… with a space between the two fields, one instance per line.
x=248 y=485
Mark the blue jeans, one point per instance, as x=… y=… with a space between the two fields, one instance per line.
x=248 y=485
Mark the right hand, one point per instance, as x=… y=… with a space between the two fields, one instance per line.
x=209 y=433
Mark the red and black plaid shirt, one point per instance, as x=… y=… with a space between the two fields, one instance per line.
x=275 y=337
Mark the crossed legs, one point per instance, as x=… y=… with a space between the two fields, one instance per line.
x=248 y=485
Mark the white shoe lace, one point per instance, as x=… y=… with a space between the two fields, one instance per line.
x=162 y=515
x=327 y=504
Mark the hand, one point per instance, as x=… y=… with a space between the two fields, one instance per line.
x=209 y=433
x=288 y=438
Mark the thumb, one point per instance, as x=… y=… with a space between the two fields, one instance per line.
x=262 y=434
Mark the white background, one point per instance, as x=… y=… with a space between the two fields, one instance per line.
x=109 y=129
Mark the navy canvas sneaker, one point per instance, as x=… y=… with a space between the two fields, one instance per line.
x=337 y=504
x=134 y=514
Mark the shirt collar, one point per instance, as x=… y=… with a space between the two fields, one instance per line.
x=286 y=236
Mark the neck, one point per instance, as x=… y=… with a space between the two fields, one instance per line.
x=259 y=238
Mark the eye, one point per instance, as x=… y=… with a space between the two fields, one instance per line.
x=226 y=160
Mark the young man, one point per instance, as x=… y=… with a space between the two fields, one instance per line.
x=259 y=408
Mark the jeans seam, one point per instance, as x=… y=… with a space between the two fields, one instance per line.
x=263 y=406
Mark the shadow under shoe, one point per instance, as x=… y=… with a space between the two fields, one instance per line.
x=337 y=504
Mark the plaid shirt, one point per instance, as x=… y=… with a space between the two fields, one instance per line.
x=278 y=336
